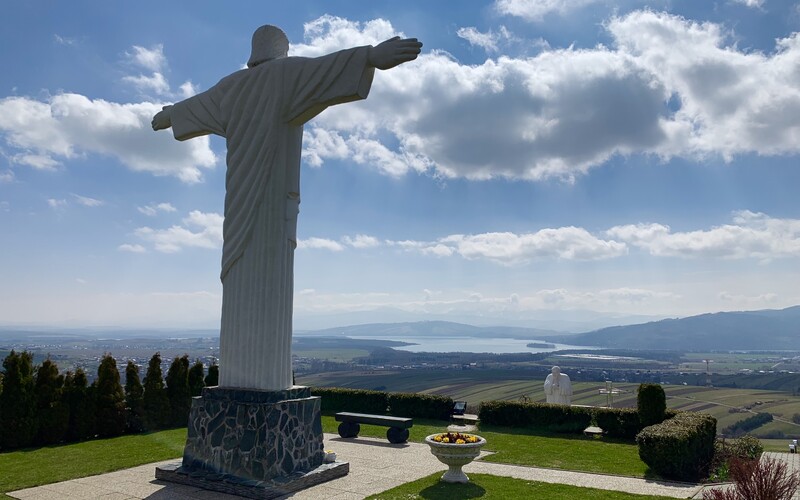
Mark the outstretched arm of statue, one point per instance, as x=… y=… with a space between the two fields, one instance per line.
x=393 y=52
x=163 y=119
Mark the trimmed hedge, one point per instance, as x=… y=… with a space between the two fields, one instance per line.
x=420 y=405
x=651 y=401
x=399 y=404
x=622 y=423
x=679 y=448
x=550 y=417
x=355 y=400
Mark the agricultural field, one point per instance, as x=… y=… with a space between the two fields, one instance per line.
x=727 y=405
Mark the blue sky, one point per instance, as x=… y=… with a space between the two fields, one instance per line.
x=541 y=160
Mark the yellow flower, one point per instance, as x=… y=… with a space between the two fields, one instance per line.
x=459 y=441
x=438 y=439
x=445 y=440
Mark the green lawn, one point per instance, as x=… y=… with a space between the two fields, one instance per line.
x=520 y=447
x=488 y=487
x=34 y=467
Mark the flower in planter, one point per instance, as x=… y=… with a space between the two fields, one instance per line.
x=455 y=438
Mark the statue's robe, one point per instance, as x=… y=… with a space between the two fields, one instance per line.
x=558 y=391
x=261 y=111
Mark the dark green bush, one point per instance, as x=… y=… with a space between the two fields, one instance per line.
x=110 y=399
x=748 y=424
x=354 y=400
x=52 y=410
x=651 y=402
x=18 y=415
x=679 y=448
x=556 y=418
x=403 y=404
x=620 y=423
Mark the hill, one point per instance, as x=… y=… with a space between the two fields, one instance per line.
x=401 y=331
x=742 y=330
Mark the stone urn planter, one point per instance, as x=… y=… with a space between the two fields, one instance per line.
x=455 y=450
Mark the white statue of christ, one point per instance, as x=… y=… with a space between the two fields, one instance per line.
x=260 y=111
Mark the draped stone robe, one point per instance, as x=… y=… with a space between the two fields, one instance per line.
x=261 y=111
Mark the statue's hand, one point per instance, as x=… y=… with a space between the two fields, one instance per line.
x=162 y=119
x=393 y=52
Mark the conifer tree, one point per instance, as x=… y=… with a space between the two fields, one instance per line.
x=178 y=391
x=196 y=383
x=80 y=399
x=53 y=412
x=134 y=393
x=110 y=399
x=212 y=378
x=154 y=400
x=18 y=417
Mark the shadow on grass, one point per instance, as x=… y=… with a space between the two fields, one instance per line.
x=517 y=431
x=449 y=491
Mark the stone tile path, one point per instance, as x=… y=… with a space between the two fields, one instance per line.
x=375 y=466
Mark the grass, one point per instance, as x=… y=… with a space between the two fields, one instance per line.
x=494 y=487
x=34 y=467
x=522 y=447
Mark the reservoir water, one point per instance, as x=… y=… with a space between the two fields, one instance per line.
x=474 y=344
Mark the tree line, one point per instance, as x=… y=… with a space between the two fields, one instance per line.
x=39 y=406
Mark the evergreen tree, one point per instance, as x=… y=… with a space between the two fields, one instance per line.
x=110 y=399
x=134 y=398
x=178 y=391
x=196 y=383
x=154 y=400
x=212 y=378
x=79 y=397
x=53 y=412
x=651 y=403
x=18 y=417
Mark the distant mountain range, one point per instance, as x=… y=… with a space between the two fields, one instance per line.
x=743 y=330
x=401 y=331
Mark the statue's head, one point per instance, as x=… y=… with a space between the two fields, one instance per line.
x=556 y=371
x=269 y=42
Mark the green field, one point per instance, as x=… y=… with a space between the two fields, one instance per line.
x=727 y=405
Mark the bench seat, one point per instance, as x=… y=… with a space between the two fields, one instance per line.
x=398 y=426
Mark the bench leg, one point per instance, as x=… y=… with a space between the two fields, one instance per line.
x=349 y=429
x=397 y=435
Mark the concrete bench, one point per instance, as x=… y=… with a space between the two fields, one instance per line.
x=398 y=426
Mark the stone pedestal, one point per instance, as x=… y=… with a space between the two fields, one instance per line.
x=260 y=444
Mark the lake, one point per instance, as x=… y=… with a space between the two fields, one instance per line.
x=474 y=344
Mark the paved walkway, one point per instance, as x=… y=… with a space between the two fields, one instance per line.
x=375 y=466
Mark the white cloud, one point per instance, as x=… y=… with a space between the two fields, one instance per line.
x=760 y=300
x=535 y=10
x=154 y=208
x=37 y=161
x=200 y=230
x=361 y=241
x=86 y=201
x=64 y=40
x=152 y=58
x=144 y=83
x=751 y=235
x=328 y=34
x=57 y=204
x=319 y=243
x=566 y=243
x=67 y=126
x=133 y=248
x=756 y=4
x=564 y=111
x=7 y=176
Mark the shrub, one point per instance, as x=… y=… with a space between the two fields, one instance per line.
x=81 y=401
x=765 y=479
x=110 y=399
x=651 y=402
x=550 y=417
x=355 y=400
x=178 y=391
x=133 y=398
x=196 y=382
x=748 y=424
x=18 y=416
x=679 y=448
x=746 y=448
x=53 y=412
x=419 y=405
x=620 y=423
x=154 y=400
x=212 y=379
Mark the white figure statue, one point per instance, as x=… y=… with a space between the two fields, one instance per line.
x=260 y=111
x=558 y=388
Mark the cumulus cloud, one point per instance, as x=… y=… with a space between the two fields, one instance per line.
x=133 y=248
x=490 y=41
x=199 y=230
x=535 y=10
x=6 y=176
x=57 y=204
x=319 y=243
x=152 y=58
x=67 y=126
x=751 y=235
x=361 y=241
x=566 y=243
x=666 y=86
x=86 y=201
x=756 y=4
x=154 y=208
